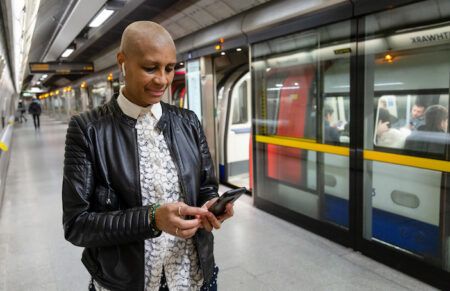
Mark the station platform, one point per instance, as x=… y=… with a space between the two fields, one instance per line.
x=254 y=250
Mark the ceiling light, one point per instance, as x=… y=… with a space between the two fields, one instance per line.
x=238 y=49
x=181 y=64
x=222 y=53
x=67 y=52
x=101 y=17
x=35 y=89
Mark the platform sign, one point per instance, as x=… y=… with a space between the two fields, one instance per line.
x=194 y=87
x=63 y=68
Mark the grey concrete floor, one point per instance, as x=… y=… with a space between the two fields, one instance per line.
x=254 y=250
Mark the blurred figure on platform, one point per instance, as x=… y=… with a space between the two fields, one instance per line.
x=21 y=110
x=35 y=110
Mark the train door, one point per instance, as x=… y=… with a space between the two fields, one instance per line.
x=302 y=88
x=237 y=134
x=233 y=117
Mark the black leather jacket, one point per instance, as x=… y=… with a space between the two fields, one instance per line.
x=102 y=203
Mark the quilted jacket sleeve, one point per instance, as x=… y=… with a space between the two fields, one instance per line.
x=208 y=181
x=82 y=226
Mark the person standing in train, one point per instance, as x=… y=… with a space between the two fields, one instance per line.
x=35 y=110
x=138 y=179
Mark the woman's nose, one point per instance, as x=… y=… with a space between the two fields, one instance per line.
x=161 y=79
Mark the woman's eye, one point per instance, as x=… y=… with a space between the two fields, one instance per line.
x=169 y=69
x=150 y=69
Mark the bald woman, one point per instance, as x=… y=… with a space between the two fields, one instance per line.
x=138 y=179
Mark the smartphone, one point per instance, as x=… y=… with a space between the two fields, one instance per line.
x=218 y=207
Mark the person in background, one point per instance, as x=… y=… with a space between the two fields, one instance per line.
x=139 y=178
x=386 y=135
x=331 y=133
x=417 y=116
x=432 y=136
x=35 y=110
x=22 y=110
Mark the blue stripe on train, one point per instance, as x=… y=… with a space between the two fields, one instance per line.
x=409 y=234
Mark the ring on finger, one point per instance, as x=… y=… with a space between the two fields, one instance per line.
x=176 y=231
x=179 y=211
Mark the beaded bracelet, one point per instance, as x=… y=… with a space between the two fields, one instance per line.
x=154 y=228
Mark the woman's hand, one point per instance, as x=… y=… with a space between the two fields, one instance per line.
x=210 y=221
x=170 y=218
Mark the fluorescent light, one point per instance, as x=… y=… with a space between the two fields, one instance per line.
x=389 y=84
x=101 y=17
x=222 y=53
x=238 y=49
x=67 y=52
x=35 y=90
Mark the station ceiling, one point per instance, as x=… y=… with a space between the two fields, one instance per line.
x=179 y=17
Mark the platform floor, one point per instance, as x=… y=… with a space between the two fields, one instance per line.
x=255 y=251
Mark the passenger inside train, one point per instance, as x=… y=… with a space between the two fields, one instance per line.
x=386 y=135
x=331 y=133
x=417 y=118
x=432 y=136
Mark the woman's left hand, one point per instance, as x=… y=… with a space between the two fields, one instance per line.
x=210 y=221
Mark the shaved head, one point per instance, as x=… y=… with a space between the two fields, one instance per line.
x=141 y=34
x=147 y=59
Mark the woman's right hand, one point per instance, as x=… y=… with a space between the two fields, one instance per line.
x=170 y=218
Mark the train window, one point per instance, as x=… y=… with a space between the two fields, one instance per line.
x=240 y=105
x=407 y=85
x=302 y=85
